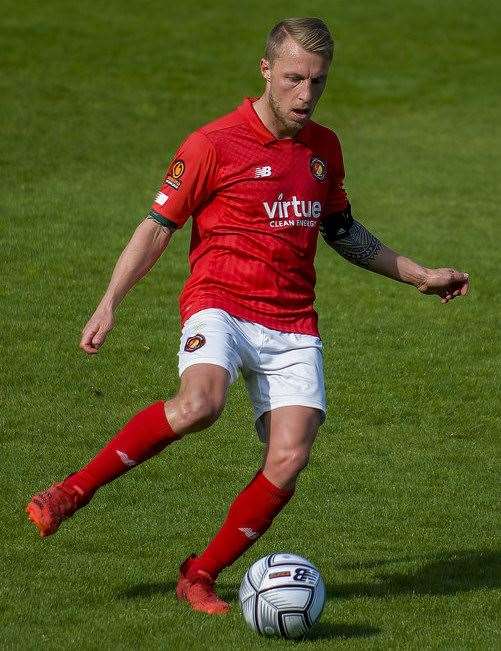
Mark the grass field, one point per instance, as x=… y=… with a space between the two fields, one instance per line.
x=398 y=506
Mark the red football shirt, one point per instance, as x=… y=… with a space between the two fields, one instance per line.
x=256 y=203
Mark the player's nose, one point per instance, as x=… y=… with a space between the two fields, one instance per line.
x=306 y=91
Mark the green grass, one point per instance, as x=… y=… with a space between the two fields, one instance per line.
x=398 y=505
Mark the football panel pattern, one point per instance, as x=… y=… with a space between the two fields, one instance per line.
x=266 y=617
x=293 y=625
x=318 y=601
x=257 y=570
x=286 y=597
x=287 y=559
x=246 y=588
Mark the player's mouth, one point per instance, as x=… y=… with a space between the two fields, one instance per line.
x=300 y=114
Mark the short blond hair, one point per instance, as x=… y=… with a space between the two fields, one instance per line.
x=312 y=34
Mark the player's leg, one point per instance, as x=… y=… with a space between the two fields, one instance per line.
x=198 y=403
x=290 y=434
x=208 y=363
x=198 y=588
x=284 y=376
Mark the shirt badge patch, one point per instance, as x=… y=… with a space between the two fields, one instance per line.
x=194 y=343
x=174 y=174
x=161 y=198
x=318 y=168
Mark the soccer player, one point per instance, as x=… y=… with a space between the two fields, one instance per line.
x=259 y=183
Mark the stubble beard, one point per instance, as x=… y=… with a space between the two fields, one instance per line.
x=289 y=127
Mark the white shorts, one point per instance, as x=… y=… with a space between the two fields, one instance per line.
x=280 y=368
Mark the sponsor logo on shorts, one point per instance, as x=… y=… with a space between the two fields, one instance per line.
x=318 y=168
x=276 y=575
x=174 y=174
x=194 y=343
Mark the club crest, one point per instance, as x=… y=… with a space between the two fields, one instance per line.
x=318 y=168
x=175 y=173
x=194 y=343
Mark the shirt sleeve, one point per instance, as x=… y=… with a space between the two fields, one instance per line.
x=337 y=199
x=188 y=183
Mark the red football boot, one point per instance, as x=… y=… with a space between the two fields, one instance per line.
x=199 y=593
x=50 y=507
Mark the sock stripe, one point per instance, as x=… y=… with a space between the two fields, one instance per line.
x=146 y=434
x=249 y=516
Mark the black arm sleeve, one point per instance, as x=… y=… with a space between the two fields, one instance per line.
x=350 y=239
x=337 y=225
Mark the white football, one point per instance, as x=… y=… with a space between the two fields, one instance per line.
x=282 y=595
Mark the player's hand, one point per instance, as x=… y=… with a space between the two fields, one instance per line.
x=446 y=282
x=98 y=326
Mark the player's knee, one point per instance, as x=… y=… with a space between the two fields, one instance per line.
x=199 y=410
x=289 y=462
x=298 y=461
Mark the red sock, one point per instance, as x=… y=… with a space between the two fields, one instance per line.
x=145 y=435
x=249 y=516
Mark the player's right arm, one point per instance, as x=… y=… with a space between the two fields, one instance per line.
x=144 y=248
x=188 y=183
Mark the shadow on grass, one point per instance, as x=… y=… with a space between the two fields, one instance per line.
x=443 y=575
x=321 y=630
x=326 y=631
x=142 y=590
x=226 y=591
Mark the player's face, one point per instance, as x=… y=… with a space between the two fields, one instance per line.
x=294 y=83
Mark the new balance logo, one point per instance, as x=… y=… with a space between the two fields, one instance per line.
x=263 y=171
x=125 y=459
x=250 y=533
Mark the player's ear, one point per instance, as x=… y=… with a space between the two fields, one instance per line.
x=265 y=67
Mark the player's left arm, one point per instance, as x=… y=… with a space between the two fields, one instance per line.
x=359 y=246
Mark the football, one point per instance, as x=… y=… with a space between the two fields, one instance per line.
x=282 y=595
